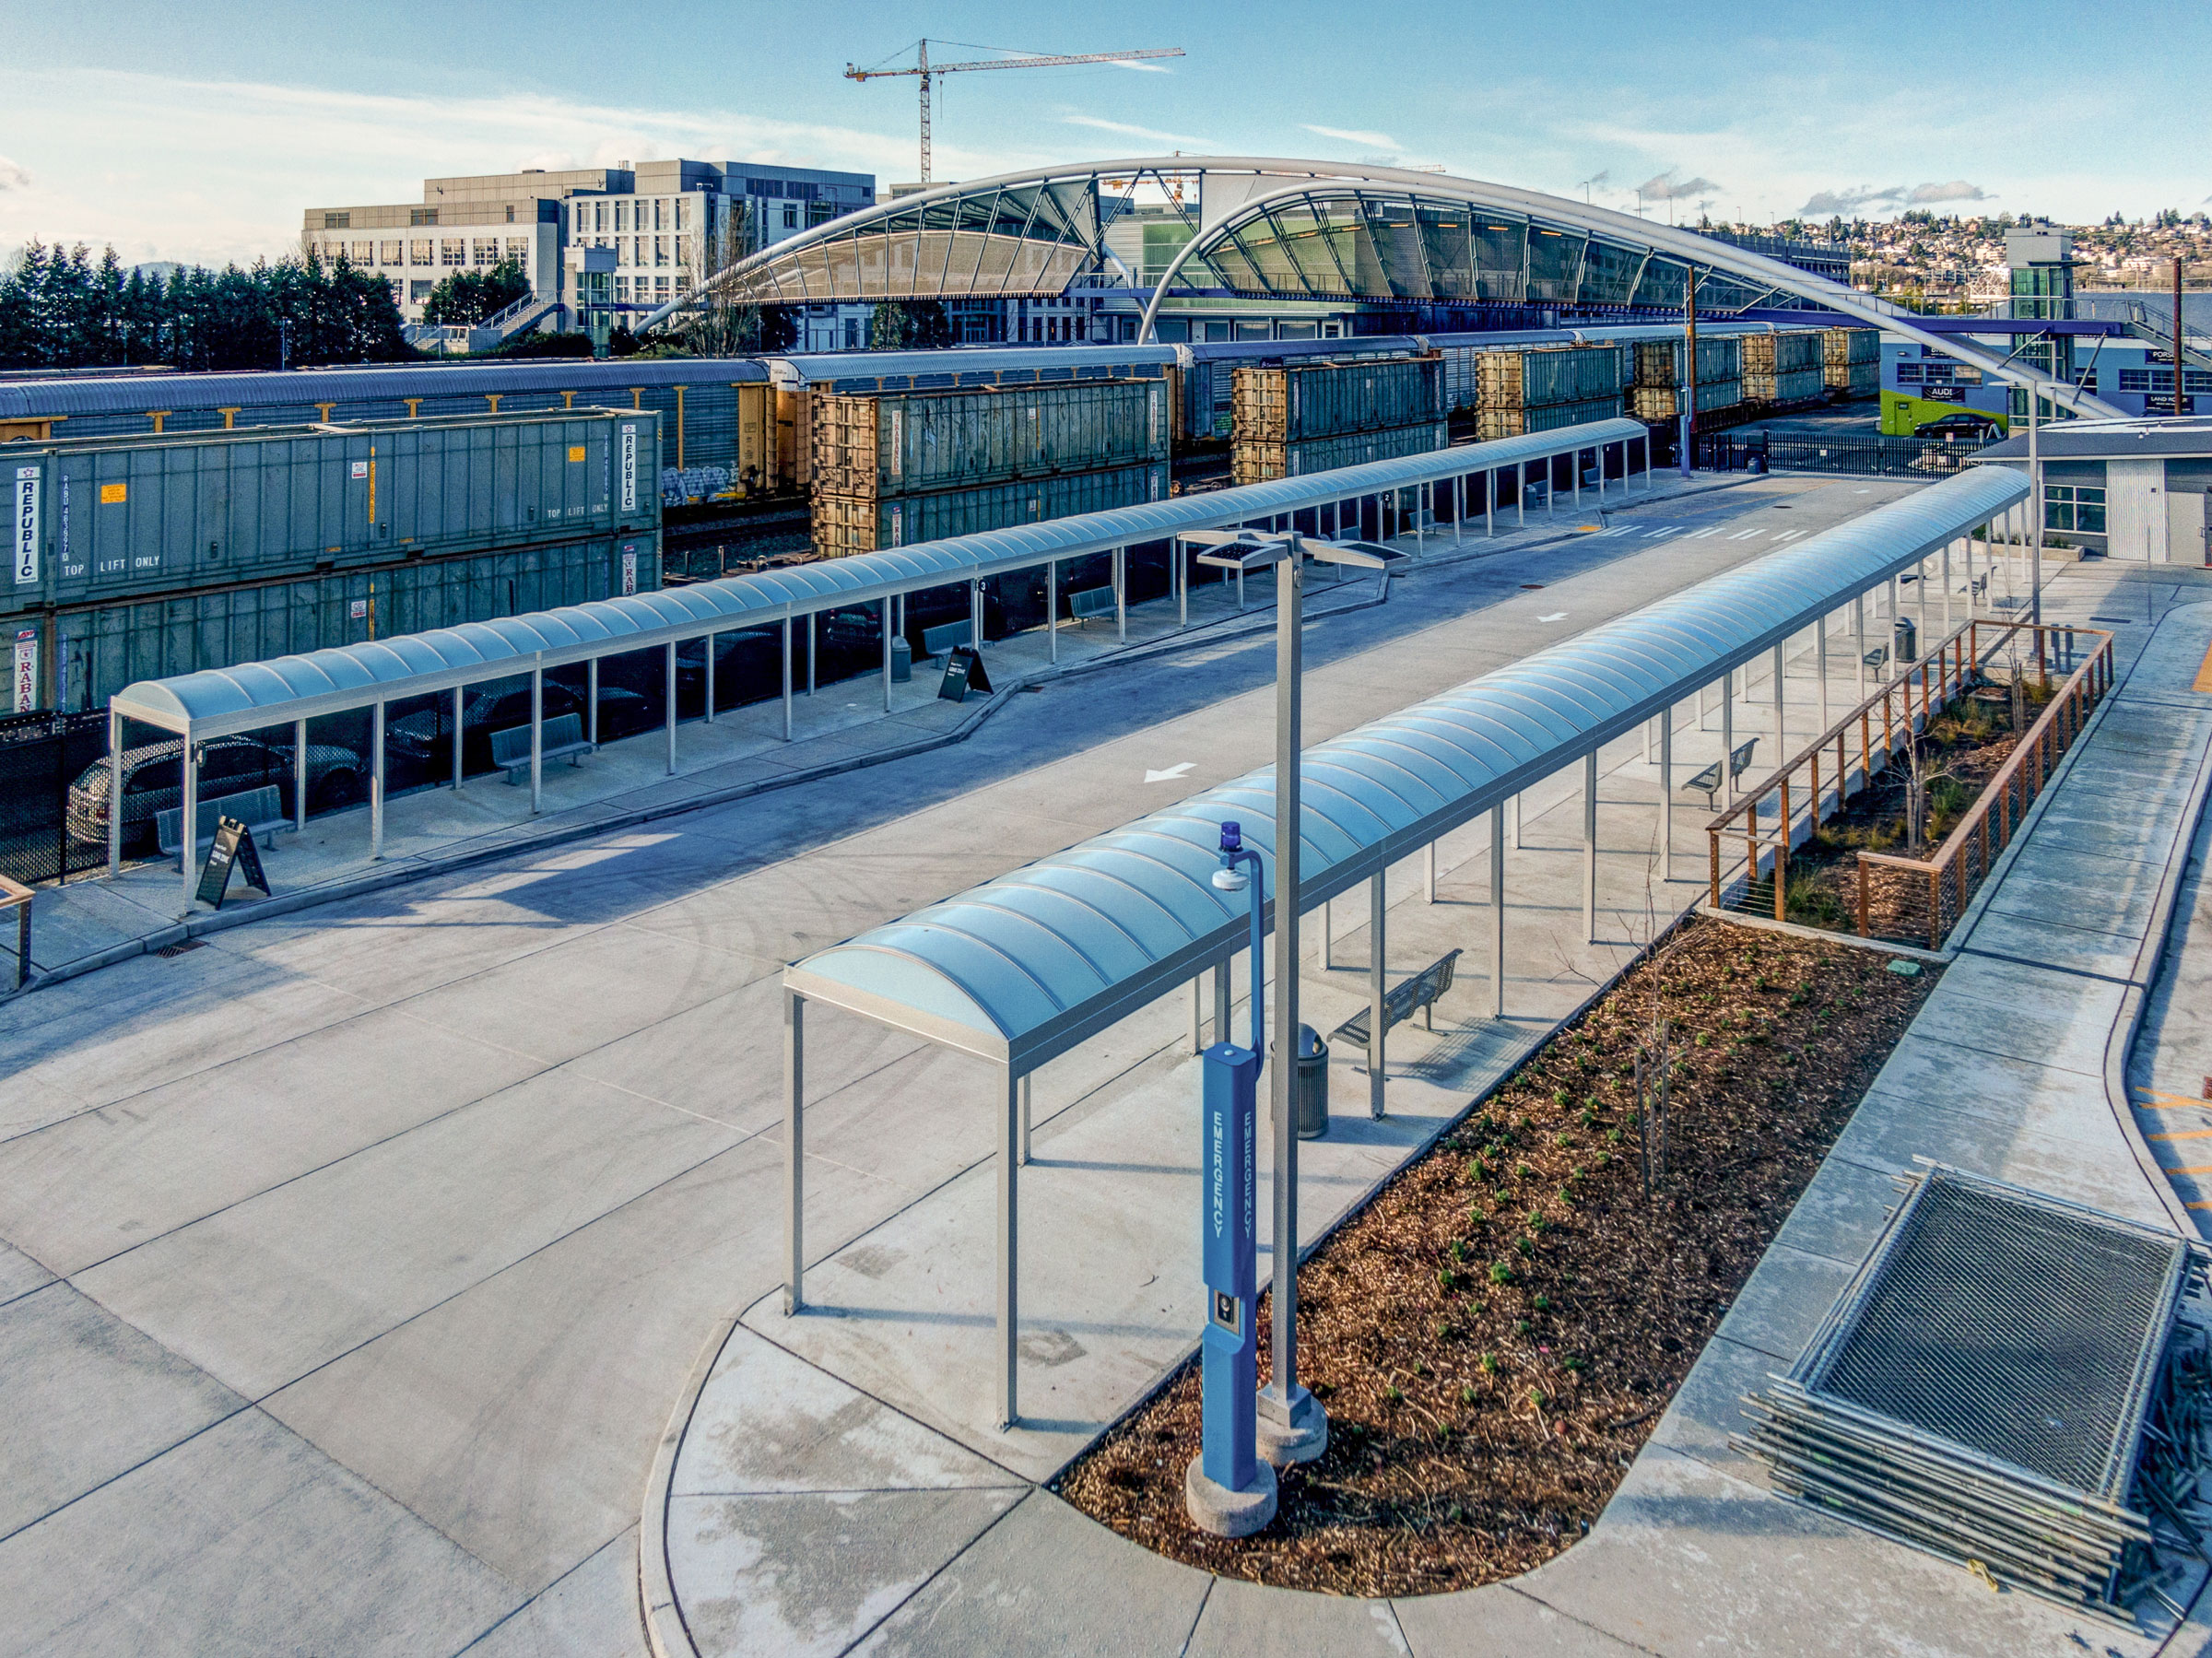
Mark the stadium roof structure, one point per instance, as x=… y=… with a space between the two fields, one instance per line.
x=1292 y=230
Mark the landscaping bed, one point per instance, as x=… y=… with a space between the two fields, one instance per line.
x=1959 y=751
x=1499 y=1329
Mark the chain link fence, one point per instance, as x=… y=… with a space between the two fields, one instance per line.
x=41 y=756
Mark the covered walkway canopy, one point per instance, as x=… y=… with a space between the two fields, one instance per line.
x=1292 y=229
x=290 y=690
x=1024 y=967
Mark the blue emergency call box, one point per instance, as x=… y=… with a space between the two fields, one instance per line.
x=1230 y=1349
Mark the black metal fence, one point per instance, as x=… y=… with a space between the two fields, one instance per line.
x=1855 y=454
x=41 y=756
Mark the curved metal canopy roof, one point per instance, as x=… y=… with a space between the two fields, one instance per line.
x=1294 y=229
x=1023 y=968
x=253 y=695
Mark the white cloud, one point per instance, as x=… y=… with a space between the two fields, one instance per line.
x=1667 y=188
x=1353 y=136
x=263 y=154
x=1172 y=140
x=12 y=177
x=1958 y=190
x=1122 y=63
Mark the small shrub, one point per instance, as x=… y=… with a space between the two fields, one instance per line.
x=1489 y=1368
x=1501 y=1273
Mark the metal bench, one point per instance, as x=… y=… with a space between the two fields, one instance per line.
x=1090 y=602
x=935 y=641
x=1402 y=1000
x=261 y=810
x=1707 y=781
x=562 y=738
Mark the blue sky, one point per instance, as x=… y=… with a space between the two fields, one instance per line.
x=202 y=131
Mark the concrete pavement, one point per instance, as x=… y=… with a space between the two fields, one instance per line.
x=355 y=1258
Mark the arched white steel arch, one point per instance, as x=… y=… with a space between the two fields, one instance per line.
x=963 y=239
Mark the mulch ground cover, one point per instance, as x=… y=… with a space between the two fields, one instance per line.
x=1496 y=1334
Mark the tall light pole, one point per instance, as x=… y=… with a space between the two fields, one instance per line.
x=1293 y=1426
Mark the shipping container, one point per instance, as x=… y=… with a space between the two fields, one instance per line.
x=1786 y=351
x=87 y=652
x=1566 y=374
x=844 y=525
x=1799 y=385
x=1550 y=417
x=910 y=443
x=1660 y=362
x=113 y=516
x=1842 y=346
x=1292 y=403
x=1658 y=405
x=1259 y=463
x=1853 y=380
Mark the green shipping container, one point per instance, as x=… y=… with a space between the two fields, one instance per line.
x=158 y=514
x=901 y=443
x=845 y=523
x=1660 y=362
x=96 y=650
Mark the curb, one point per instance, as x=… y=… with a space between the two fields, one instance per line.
x=666 y=1630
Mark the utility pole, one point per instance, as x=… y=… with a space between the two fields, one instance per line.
x=2177 y=330
x=928 y=71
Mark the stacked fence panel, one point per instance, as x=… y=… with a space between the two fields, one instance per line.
x=898 y=468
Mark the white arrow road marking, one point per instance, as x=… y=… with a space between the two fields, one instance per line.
x=1171 y=775
x=1557 y=615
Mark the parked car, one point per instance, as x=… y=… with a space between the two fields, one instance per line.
x=418 y=735
x=1952 y=429
x=153 y=782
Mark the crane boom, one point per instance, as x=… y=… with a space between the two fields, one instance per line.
x=927 y=71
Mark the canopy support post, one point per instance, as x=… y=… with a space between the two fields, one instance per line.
x=376 y=782
x=299 y=766
x=794 y=1152
x=787 y=678
x=886 y=656
x=1009 y=1239
x=1378 y=969
x=1666 y=791
x=1429 y=871
x=1121 y=595
x=668 y=673
x=115 y=791
x=538 y=737
x=1027 y=1099
x=709 y=643
x=1051 y=610
x=591 y=694
x=1497 y=912
x=1590 y=847
x=188 y=836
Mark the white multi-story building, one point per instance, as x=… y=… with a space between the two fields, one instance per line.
x=666 y=223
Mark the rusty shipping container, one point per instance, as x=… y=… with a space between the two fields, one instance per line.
x=1291 y=403
x=1660 y=362
x=1842 y=346
x=917 y=442
x=1259 y=463
x=1789 y=352
x=1517 y=422
x=1529 y=379
x=1797 y=385
x=846 y=523
x=1661 y=404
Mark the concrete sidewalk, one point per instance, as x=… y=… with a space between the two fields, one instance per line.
x=833 y=1483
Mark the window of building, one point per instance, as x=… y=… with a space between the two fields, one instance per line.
x=422 y=216
x=622 y=289
x=2086 y=380
x=421 y=253
x=621 y=215
x=510 y=213
x=518 y=250
x=338 y=221
x=660 y=250
x=452 y=250
x=486 y=250
x=392 y=253
x=599 y=218
x=683 y=212
x=2158 y=378
x=2077 y=507
x=419 y=291
x=819 y=212
x=660 y=287
x=791 y=215
x=362 y=253
x=660 y=214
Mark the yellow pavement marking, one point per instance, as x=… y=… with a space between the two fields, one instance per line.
x=2184 y=1134
x=2168 y=1102
x=2199 y=1168
x=2184 y=1205
x=2204 y=673
x=1591 y=526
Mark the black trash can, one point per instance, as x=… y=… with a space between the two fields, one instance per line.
x=902 y=661
x=1905 y=641
x=1310 y=1088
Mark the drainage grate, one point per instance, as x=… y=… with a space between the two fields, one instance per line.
x=1981 y=1390
x=181 y=946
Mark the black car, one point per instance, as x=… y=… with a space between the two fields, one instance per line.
x=421 y=737
x=153 y=782
x=1979 y=428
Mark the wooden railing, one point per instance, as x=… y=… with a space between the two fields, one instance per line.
x=1947 y=878
x=1817 y=782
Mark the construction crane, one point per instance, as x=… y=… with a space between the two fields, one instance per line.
x=929 y=71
